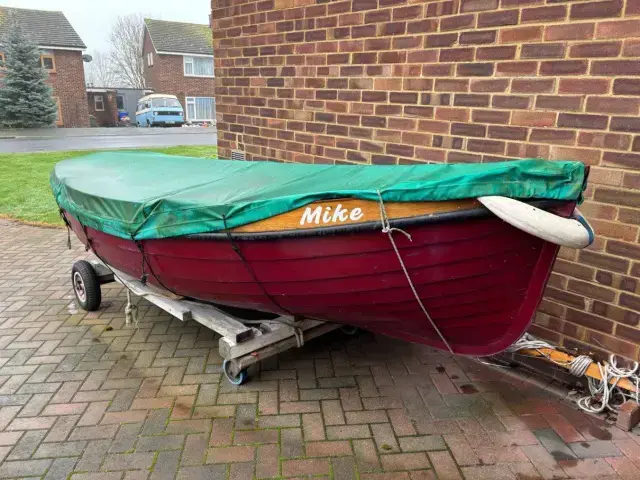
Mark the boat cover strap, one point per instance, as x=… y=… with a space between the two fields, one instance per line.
x=386 y=228
x=143 y=195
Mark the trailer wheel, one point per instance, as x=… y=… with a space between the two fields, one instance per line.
x=349 y=330
x=86 y=286
x=241 y=378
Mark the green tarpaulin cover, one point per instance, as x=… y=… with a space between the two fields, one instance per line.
x=144 y=195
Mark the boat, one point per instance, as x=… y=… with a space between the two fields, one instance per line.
x=456 y=256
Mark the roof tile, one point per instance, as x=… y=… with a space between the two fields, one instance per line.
x=178 y=37
x=43 y=27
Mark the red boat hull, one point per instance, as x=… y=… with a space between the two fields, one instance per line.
x=480 y=279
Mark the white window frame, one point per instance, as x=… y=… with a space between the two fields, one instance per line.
x=95 y=103
x=192 y=100
x=190 y=59
x=186 y=60
x=150 y=59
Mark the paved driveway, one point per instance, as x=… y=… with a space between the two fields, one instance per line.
x=83 y=401
x=61 y=139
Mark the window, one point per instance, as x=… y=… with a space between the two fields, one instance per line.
x=2 y=60
x=198 y=66
x=165 y=102
x=120 y=102
x=58 y=112
x=150 y=59
x=47 y=62
x=98 y=103
x=201 y=109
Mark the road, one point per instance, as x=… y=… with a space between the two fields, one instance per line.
x=62 y=139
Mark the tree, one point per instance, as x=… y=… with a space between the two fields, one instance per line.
x=126 y=56
x=25 y=98
x=99 y=71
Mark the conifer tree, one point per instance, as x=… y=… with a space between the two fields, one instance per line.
x=25 y=96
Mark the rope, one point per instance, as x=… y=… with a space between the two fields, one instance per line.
x=388 y=229
x=143 y=261
x=603 y=391
x=247 y=266
x=131 y=312
x=66 y=223
x=295 y=325
x=297 y=331
x=577 y=367
x=299 y=336
x=144 y=277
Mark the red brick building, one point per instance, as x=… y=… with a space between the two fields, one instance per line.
x=399 y=81
x=178 y=60
x=61 y=49
x=102 y=106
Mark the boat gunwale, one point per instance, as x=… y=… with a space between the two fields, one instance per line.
x=459 y=215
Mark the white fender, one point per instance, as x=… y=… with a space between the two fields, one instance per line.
x=572 y=232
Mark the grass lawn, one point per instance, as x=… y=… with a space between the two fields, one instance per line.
x=24 y=181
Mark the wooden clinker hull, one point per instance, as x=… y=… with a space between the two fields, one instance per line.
x=480 y=278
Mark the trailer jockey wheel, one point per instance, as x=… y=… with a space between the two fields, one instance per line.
x=237 y=380
x=86 y=285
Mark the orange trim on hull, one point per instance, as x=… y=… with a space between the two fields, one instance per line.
x=330 y=213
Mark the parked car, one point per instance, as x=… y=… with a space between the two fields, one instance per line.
x=159 y=110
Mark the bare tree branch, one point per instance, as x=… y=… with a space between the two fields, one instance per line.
x=126 y=56
x=99 y=72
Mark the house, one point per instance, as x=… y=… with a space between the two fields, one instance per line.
x=103 y=108
x=178 y=60
x=61 y=55
x=457 y=81
x=107 y=105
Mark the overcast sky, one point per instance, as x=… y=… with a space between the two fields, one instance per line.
x=92 y=20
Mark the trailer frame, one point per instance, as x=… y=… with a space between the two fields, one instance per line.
x=242 y=342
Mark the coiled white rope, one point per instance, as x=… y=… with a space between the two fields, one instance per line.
x=388 y=229
x=530 y=342
x=577 y=367
x=601 y=391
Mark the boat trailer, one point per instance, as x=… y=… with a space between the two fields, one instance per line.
x=242 y=342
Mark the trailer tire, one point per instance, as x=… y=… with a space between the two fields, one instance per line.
x=86 y=286
x=349 y=330
x=241 y=378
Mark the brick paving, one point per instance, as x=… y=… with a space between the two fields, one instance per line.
x=82 y=401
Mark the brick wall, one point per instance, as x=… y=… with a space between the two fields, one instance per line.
x=167 y=76
x=396 y=81
x=107 y=117
x=149 y=71
x=68 y=85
